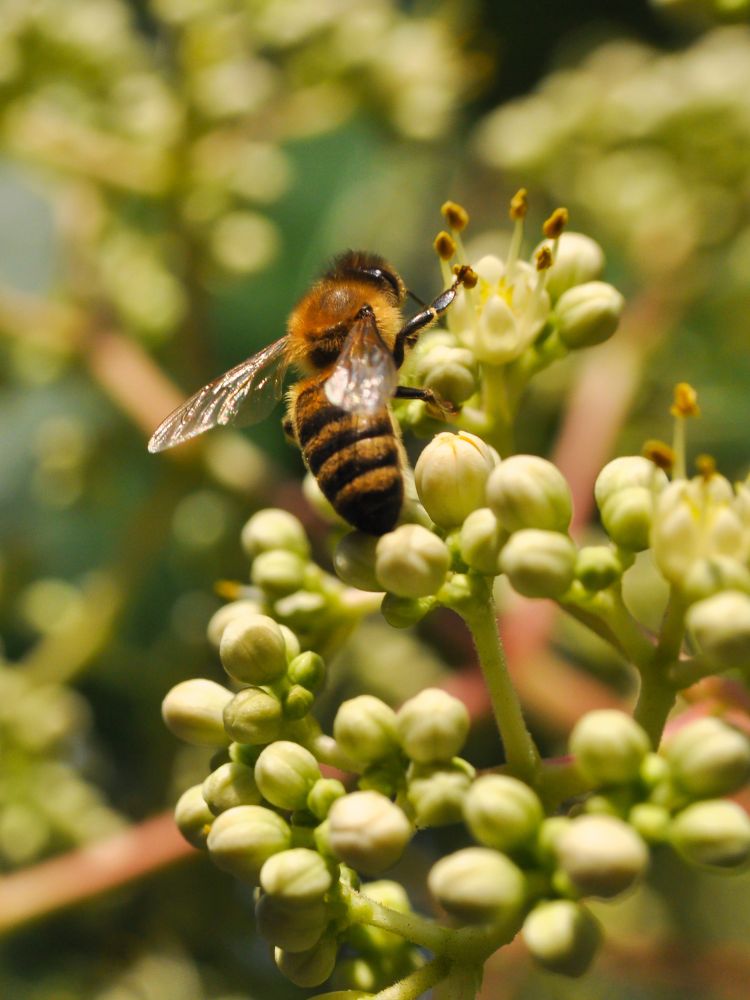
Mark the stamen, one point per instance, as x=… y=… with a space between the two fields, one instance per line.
x=519 y=206
x=706 y=466
x=445 y=247
x=455 y=215
x=685 y=401
x=555 y=224
x=466 y=275
x=660 y=453
x=230 y=590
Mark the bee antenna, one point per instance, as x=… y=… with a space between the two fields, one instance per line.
x=420 y=302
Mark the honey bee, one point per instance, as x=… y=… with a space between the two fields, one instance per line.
x=348 y=339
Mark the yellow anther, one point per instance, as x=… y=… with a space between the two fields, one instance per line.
x=706 y=466
x=685 y=401
x=445 y=245
x=660 y=453
x=466 y=275
x=519 y=204
x=543 y=258
x=554 y=226
x=455 y=215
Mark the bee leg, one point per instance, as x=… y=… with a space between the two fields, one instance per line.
x=407 y=335
x=428 y=397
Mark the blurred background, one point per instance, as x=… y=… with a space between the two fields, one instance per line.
x=173 y=173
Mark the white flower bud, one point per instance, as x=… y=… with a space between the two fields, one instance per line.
x=625 y=473
x=715 y=832
x=193 y=817
x=713 y=575
x=451 y=476
x=232 y=784
x=436 y=792
x=368 y=831
x=480 y=541
x=432 y=726
x=579 y=259
x=292 y=928
x=526 y=491
x=308 y=968
x=242 y=839
x=285 y=773
x=194 y=711
x=448 y=371
x=502 y=812
x=477 y=884
x=651 y=821
x=627 y=517
x=279 y=572
x=709 y=758
x=539 y=563
x=274 y=529
x=365 y=729
x=354 y=561
x=221 y=618
x=609 y=747
x=411 y=561
x=588 y=314
x=253 y=716
x=721 y=627
x=597 y=567
x=298 y=877
x=403 y=612
x=601 y=855
x=253 y=650
x=563 y=936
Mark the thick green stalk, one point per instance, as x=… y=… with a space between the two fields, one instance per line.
x=417 y=983
x=657 y=694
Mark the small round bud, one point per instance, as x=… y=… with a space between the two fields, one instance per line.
x=539 y=563
x=253 y=716
x=293 y=929
x=651 y=821
x=578 y=259
x=502 y=812
x=477 y=884
x=274 y=529
x=365 y=729
x=242 y=839
x=597 y=567
x=221 y=618
x=297 y=877
x=309 y=670
x=322 y=796
x=285 y=773
x=625 y=473
x=708 y=758
x=194 y=711
x=432 y=726
x=436 y=792
x=451 y=476
x=232 y=784
x=368 y=831
x=526 y=491
x=193 y=817
x=627 y=518
x=715 y=832
x=588 y=314
x=609 y=747
x=253 y=650
x=480 y=541
x=297 y=702
x=308 y=968
x=411 y=561
x=449 y=371
x=291 y=642
x=354 y=561
x=601 y=855
x=278 y=572
x=562 y=936
x=403 y=612
x=721 y=626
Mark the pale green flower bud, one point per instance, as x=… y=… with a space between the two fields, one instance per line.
x=322 y=796
x=297 y=877
x=601 y=855
x=715 y=574
x=232 y=784
x=274 y=529
x=354 y=561
x=708 y=758
x=721 y=626
x=285 y=773
x=308 y=669
x=254 y=716
x=609 y=747
x=627 y=518
x=625 y=473
x=451 y=476
x=539 y=563
x=368 y=831
x=193 y=817
x=294 y=929
x=436 y=792
x=654 y=771
x=526 y=491
x=365 y=729
x=297 y=702
x=279 y=572
x=588 y=314
x=477 y=884
x=403 y=612
x=715 y=832
x=651 y=821
x=291 y=642
x=253 y=650
x=549 y=833
x=480 y=541
x=502 y=812
x=448 y=371
x=432 y=726
x=597 y=567
x=411 y=561
x=579 y=259
x=563 y=936
x=308 y=968
x=194 y=711
x=242 y=839
x=221 y=618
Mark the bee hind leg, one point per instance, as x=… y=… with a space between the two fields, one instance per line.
x=429 y=398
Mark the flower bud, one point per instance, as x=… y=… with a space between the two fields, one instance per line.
x=502 y=812
x=297 y=877
x=436 y=792
x=309 y=670
x=650 y=820
x=274 y=529
x=480 y=541
x=193 y=817
x=625 y=490
x=403 y=612
x=294 y=929
x=278 y=572
x=411 y=561
x=579 y=259
x=563 y=936
x=232 y=784
x=354 y=561
x=297 y=702
x=526 y=491
x=625 y=473
x=253 y=716
x=322 y=796
x=539 y=563
x=221 y=618
x=597 y=567
x=285 y=773
x=448 y=371
x=368 y=831
x=601 y=855
x=715 y=832
x=721 y=626
x=609 y=747
x=477 y=884
x=432 y=726
x=193 y=711
x=291 y=642
x=365 y=729
x=588 y=314
x=253 y=650
x=451 y=475
x=308 y=968
x=708 y=758
x=243 y=838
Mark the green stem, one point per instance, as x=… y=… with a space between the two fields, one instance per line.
x=560 y=780
x=417 y=983
x=462 y=982
x=411 y=926
x=496 y=405
x=657 y=694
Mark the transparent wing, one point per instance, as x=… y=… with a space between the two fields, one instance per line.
x=245 y=394
x=364 y=377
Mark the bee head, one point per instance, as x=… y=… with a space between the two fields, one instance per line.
x=370 y=267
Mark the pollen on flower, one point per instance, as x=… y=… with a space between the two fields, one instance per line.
x=685 y=401
x=445 y=245
x=230 y=590
x=519 y=204
x=466 y=275
x=660 y=453
x=555 y=224
x=706 y=466
x=455 y=215
x=543 y=258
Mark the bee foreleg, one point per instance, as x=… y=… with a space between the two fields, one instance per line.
x=428 y=397
x=407 y=335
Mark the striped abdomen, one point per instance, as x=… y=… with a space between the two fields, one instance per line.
x=354 y=457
